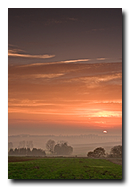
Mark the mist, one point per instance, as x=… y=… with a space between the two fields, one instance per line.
x=82 y=143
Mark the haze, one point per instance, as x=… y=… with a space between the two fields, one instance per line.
x=65 y=72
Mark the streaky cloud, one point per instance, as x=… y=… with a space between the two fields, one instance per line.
x=58 y=62
x=15 y=53
x=101 y=58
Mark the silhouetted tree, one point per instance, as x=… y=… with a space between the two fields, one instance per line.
x=116 y=151
x=22 y=151
x=28 y=151
x=50 y=145
x=11 y=152
x=38 y=152
x=16 y=151
x=90 y=154
x=97 y=153
x=63 y=149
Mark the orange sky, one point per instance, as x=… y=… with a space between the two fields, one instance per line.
x=64 y=70
x=88 y=95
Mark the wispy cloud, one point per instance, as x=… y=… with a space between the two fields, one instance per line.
x=34 y=76
x=96 y=79
x=101 y=58
x=58 y=62
x=19 y=53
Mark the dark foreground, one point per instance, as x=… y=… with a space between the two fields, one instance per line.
x=62 y=168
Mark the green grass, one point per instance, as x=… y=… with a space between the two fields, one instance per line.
x=64 y=168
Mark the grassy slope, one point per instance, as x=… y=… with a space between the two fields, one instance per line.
x=64 y=168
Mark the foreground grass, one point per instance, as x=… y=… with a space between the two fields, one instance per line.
x=64 y=168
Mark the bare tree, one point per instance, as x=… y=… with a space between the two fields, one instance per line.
x=50 y=145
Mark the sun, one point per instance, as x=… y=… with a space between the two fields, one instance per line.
x=105 y=132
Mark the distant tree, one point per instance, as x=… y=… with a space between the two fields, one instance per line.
x=57 y=149
x=22 y=151
x=28 y=151
x=10 y=145
x=34 y=151
x=90 y=154
x=97 y=153
x=50 y=145
x=11 y=152
x=38 y=152
x=16 y=151
x=116 y=151
x=63 y=149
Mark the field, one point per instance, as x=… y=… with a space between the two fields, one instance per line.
x=62 y=168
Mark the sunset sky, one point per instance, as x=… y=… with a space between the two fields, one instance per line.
x=64 y=71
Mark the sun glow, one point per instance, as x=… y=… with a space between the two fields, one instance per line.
x=105 y=132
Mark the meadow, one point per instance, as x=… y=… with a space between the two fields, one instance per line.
x=62 y=168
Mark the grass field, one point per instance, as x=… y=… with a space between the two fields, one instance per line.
x=62 y=168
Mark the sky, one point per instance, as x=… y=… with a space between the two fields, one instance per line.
x=64 y=71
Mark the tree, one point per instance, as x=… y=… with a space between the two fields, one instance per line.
x=22 y=151
x=28 y=151
x=90 y=154
x=63 y=149
x=16 y=151
x=97 y=153
x=11 y=152
x=50 y=145
x=116 y=151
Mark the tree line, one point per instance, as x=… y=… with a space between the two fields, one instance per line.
x=22 y=144
x=26 y=152
x=25 y=148
x=115 y=152
x=60 y=148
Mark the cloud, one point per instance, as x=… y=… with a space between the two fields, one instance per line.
x=58 y=62
x=97 y=79
x=101 y=58
x=108 y=102
x=19 y=53
x=41 y=76
x=34 y=77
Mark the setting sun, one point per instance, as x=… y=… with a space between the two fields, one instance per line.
x=105 y=132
